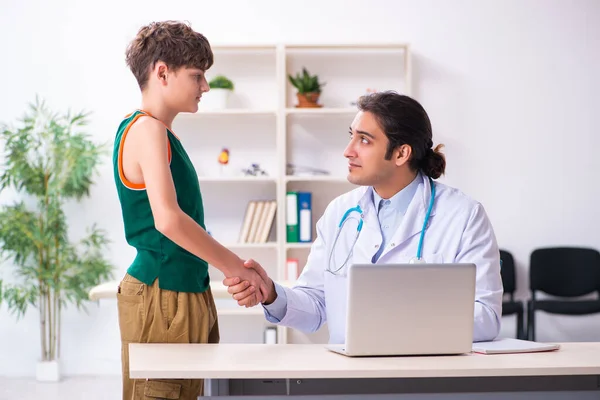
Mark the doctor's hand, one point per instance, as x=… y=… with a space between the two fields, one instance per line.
x=243 y=293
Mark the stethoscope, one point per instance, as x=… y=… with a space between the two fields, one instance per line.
x=348 y=216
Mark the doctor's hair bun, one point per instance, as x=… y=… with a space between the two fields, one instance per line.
x=405 y=121
x=434 y=162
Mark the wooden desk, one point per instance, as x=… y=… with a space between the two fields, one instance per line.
x=259 y=369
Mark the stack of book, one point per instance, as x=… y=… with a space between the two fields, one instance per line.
x=258 y=221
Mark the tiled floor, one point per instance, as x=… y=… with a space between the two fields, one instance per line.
x=88 y=388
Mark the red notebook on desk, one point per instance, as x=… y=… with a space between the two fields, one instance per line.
x=509 y=345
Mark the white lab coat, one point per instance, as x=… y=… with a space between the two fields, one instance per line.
x=458 y=231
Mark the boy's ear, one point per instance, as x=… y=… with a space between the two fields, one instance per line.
x=161 y=70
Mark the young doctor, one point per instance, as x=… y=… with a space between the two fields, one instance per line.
x=398 y=215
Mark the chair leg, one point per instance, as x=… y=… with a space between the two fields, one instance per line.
x=531 y=323
x=520 y=333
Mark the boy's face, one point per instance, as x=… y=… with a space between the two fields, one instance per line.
x=184 y=88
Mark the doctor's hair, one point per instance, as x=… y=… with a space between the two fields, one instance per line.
x=405 y=121
x=172 y=42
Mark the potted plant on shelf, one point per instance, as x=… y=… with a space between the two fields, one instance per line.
x=48 y=161
x=309 y=89
x=217 y=97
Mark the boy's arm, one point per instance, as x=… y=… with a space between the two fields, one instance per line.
x=148 y=144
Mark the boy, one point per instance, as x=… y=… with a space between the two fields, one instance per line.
x=165 y=295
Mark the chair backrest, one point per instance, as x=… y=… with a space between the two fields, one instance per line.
x=507 y=271
x=565 y=271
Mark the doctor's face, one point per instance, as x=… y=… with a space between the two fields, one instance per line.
x=367 y=165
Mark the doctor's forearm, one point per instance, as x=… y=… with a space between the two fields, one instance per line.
x=486 y=325
x=303 y=309
x=306 y=309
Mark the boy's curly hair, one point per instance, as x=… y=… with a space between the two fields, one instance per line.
x=172 y=42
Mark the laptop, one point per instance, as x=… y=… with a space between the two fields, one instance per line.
x=409 y=309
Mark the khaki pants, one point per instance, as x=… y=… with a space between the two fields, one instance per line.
x=148 y=314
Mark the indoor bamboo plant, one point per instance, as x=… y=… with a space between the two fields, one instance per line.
x=48 y=161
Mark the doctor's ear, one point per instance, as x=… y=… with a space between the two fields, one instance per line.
x=403 y=154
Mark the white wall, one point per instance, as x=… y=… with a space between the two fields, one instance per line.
x=509 y=85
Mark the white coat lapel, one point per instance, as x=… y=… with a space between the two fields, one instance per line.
x=370 y=237
x=412 y=223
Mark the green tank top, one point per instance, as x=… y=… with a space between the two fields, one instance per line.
x=157 y=256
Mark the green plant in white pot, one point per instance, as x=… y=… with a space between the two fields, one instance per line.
x=48 y=161
x=217 y=97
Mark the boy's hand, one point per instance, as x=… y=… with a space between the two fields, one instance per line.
x=244 y=292
x=251 y=282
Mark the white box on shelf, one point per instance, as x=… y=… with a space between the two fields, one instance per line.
x=292 y=269
x=270 y=335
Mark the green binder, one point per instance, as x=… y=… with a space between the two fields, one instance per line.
x=291 y=217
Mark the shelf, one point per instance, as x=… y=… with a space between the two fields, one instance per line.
x=108 y=290
x=262 y=125
x=308 y=47
x=299 y=246
x=243 y=48
x=268 y=245
x=316 y=178
x=332 y=49
x=237 y=179
x=269 y=179
x=226 y=111
x=241 y=311
x=366 y=47
x=219 y=291
x=322 y=110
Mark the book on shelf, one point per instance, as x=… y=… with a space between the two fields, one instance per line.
x=258 y=221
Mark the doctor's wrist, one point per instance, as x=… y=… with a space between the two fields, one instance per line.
x=272 y=295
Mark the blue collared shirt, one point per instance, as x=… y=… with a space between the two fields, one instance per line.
x=390 y=213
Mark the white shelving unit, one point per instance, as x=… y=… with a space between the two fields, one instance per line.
x=262 y=125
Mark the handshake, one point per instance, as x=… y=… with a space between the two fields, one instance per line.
x=251 y=285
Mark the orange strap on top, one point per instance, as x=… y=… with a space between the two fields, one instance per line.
x=165 y=125
x=124 y=180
